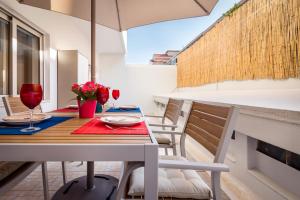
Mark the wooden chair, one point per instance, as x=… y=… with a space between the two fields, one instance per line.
x=12 y=173
x=211 y=126
x=14 y=105
x=172 y=113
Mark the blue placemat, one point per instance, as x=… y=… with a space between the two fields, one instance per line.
x=135 y=110
x=16 y=130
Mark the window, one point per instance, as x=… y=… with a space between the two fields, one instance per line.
x=22 y=52
x=4 y=55
x=28 y=60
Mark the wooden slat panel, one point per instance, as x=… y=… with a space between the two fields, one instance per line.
x=62 y=133
x=209 y=137
x=202 y=140
x=175 y=101
x=173 y=110
x=16 y=106
x=210 y=118
x=172 y=117
x=205 y=125
x=219 y=111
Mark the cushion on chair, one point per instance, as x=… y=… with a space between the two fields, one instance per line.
x=175 y=183
x=7 y=168
x=162 y=140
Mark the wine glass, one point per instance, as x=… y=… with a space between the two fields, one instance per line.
x=115 y=95
x=31 y=96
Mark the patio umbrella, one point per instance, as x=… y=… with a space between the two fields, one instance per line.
x=122 y=15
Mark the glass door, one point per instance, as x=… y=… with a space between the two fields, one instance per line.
x=4 y=53
x=28 y=58
x=28 y=61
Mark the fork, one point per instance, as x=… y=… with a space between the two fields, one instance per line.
x=128 y=128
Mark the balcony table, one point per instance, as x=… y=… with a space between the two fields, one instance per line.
x=58 y=144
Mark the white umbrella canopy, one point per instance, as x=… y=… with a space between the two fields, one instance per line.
x=125 y=14
x=122 y=15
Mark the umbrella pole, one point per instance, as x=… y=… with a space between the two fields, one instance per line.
x=90 y=164
x=93 y=40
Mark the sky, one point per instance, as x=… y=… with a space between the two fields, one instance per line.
x=144 y=41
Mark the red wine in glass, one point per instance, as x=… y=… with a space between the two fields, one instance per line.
x=115 y=95
x=31 y=96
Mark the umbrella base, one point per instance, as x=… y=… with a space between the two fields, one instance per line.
x=105 y=188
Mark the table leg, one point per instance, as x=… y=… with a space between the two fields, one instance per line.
x=151 y=172
x=63 y=167
x=45 y=181
x=90 y=176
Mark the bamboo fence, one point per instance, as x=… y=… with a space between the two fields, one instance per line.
x=259 y=40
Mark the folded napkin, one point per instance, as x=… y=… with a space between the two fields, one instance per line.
x=95 y=126
x=16 y=130
x=135 y=110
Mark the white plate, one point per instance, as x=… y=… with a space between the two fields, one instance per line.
x=128 y=107
x=23 y=119
x=122 y=120
x=74 y=106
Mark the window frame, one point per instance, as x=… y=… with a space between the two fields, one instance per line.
x=17 y=23
x=17 y=20
x=7 y=84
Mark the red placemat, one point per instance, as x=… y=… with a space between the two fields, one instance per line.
x=96 y=127
x=63 y=110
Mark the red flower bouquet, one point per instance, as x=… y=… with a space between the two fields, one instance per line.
x=87 y=98
x=87 y=91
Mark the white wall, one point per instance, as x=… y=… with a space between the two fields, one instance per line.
x=137 y=83
x=280 y=94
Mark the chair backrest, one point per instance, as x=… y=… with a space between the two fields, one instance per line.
x=173 y=110
x=14 y=105
x=211 y=126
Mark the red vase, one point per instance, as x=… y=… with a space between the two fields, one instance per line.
x=87 y=108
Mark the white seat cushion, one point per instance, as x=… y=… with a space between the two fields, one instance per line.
x=172 y=183
x=162 y=140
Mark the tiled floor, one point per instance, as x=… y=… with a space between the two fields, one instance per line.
x=31 y=187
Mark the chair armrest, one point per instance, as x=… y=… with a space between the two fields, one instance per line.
x=155 y=116
x=167 y=132
x=184 y=164
x=164 y=125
